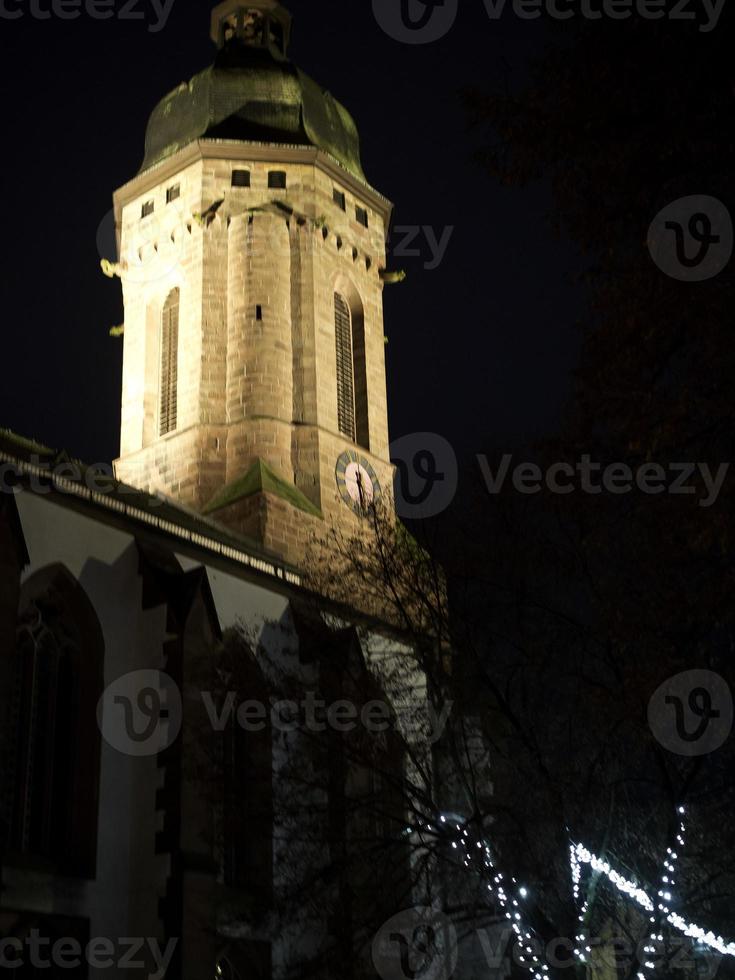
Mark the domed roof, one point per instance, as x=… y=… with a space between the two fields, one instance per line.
x=252 y=93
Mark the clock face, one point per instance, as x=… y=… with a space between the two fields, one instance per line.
x=357 y=481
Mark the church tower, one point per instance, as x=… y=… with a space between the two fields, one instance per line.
x=252 y=260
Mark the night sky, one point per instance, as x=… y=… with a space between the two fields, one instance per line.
x=480 y=348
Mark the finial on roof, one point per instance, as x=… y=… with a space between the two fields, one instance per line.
x=256 y=24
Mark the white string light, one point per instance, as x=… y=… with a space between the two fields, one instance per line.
x=583 y=856
x=580 y=855
x=509 y=901
x=511 y=905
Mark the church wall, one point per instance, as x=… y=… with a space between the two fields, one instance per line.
x=187 y=464
x=141 y=876
x=338 y=270
x=260 y=352
x=215 y=177
x=158 y=253
x=122 y=899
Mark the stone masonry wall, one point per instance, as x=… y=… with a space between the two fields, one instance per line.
x=257 y=270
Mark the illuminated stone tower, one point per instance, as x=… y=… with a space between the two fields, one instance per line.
x=252 y=252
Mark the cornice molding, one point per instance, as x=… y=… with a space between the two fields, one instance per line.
x=237 y=150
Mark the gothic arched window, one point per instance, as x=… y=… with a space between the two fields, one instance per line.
x=352 y=405
x=52 y=794
x=169 y=364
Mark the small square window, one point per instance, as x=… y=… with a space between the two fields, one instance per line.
x=148 y=208
x=362 y=216
x=241 y=178
x=339 y=199
x=173 y=193
x=277 y=179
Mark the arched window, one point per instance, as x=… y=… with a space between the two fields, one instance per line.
x=352 y=405
x=52 y=792
x=169 y=363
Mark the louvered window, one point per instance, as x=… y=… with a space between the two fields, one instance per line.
x=241 y=178
x=345 y=368
x=169 y=363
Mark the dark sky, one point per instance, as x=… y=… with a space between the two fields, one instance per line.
x=480 y=348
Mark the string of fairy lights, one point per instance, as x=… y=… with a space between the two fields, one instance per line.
x=510 y=897
x=660 y=911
